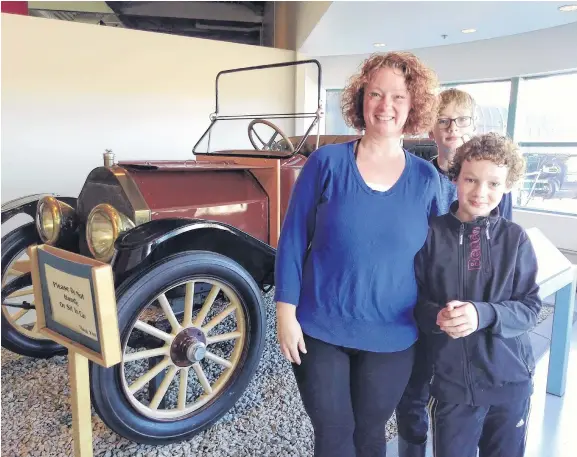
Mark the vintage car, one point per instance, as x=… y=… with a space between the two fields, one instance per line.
x=192 y=249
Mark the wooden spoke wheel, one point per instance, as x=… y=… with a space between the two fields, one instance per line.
x=19 y=331
x=185 y=363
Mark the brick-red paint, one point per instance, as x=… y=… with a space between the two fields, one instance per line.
x=15 y=8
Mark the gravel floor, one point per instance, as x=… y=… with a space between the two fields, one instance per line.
x=267 y=421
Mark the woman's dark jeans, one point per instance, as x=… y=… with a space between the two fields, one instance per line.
x=350 y=395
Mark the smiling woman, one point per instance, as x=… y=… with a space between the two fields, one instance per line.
x=420 y=84
x=345 y=286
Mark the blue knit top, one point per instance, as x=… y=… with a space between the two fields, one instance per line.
x=346 y=251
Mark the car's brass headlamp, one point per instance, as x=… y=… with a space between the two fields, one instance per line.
x=52 y=218
x=103 y=226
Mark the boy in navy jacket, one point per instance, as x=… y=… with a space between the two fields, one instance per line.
x=455 y=125
x=478 y=298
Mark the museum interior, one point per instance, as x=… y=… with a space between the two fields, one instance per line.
x=149 y=152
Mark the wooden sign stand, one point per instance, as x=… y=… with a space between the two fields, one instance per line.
x=76 y=307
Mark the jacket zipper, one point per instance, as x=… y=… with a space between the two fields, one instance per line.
x=486 y=252
x=462 y=293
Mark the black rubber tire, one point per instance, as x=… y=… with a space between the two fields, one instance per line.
x=107 y=393
x=554 y=187
x=12 y=246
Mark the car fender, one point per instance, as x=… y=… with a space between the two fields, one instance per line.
x=28 y=204
x=154 y=240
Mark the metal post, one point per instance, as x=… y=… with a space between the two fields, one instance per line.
x=512 y=114
x=561 y=338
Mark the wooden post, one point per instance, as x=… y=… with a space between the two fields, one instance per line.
x=80 y=404
x=76 y=307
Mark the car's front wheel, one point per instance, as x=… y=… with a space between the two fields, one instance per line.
x=184 y=365
x=19 y=329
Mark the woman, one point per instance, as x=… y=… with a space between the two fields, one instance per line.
x=345 y=283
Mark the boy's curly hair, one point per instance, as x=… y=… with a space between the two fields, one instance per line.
x=421 y=82
x=494 y=147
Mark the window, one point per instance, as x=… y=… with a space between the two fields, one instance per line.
x=334 y=122
x=545 y=131
x=550 y=181
x=546 y=109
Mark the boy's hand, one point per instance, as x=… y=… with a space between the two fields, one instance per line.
x=458 y=319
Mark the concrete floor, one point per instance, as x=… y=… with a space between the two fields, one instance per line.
x=552 y=426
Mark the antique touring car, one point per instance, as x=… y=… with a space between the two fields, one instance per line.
x=192 y=248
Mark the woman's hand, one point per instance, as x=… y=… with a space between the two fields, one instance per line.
x=289 y=332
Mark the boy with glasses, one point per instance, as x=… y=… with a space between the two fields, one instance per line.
x=454 y=127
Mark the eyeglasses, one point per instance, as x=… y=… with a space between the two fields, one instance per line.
x=462 y=121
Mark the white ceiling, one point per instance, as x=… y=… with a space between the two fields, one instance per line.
x=353 y=27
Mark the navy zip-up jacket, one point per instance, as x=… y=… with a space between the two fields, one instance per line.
x=491 y=263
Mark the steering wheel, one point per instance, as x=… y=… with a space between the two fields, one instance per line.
x=267 y=145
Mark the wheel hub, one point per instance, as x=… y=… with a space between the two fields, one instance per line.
x=196 y=352
x=188 y=347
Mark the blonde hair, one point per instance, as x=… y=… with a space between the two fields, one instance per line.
x=494 y=147
x=421 y=83
x=457 y=96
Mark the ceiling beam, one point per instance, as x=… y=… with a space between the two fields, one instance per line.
x=215 y=11
x=83 y=7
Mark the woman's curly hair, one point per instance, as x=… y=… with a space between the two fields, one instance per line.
x=421 y=81
x=494 y=147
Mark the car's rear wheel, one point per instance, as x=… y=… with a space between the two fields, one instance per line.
x=181 y=372
x=19 y=330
